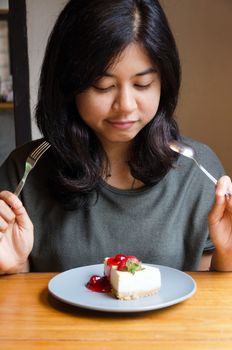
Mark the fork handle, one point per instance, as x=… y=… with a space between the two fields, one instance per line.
x=19 y=187
x=21 y=184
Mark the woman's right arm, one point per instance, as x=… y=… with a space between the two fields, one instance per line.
x=16 y=234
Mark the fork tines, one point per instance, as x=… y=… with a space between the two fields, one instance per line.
x=40 y=150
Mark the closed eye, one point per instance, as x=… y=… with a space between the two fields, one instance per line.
x=142 y=87
x=103 y=89
x=109 y=88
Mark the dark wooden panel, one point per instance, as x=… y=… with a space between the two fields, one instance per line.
x=20 y=70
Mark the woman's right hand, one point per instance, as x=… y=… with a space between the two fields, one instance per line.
x=16 y=234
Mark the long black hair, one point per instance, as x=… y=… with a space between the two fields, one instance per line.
x=86 y=39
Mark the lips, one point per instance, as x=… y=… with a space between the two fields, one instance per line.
x=122 y=124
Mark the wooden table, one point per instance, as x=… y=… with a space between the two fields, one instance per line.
x=30 y=318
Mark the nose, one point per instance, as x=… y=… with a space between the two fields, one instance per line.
x=125 y=101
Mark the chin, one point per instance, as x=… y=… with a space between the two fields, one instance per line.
x=121 y=139
x=126 y=137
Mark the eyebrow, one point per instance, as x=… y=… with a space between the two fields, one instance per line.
x=145 y=72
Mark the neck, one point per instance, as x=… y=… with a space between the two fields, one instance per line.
x=117 y=152
x=119 y=175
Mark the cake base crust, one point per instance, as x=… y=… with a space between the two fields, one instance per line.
x=135 y=295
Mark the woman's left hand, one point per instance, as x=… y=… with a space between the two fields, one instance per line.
x=220 y=225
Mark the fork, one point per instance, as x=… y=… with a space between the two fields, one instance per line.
x=31 y=161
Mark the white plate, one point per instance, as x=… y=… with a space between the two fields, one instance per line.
x=69 y=287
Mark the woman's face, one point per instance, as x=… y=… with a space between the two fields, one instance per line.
x=123 y=100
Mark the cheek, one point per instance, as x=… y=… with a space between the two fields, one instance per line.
x=152 y=104
x=92 y=108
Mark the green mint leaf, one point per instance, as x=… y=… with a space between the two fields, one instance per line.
x=132 y=266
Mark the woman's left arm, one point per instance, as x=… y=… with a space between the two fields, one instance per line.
x=220 y=226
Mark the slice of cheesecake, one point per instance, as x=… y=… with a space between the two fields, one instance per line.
x=130 y=279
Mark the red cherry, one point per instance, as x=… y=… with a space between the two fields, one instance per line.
x=111 y=262
x=99 y=284
x=120 y=257
x=94 y=279
x=121 y=265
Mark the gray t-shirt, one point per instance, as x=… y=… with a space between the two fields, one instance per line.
x=162 y=224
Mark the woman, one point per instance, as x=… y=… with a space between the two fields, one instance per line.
x=110 y=183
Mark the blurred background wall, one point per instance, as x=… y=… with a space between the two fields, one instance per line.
x=203 y=31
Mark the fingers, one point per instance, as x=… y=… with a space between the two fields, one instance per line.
x=7 y=216
x=10 y=199
x=3 y=225
x=224 y=187
x=224 y=193
x=223 y=200
x=11 y=208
